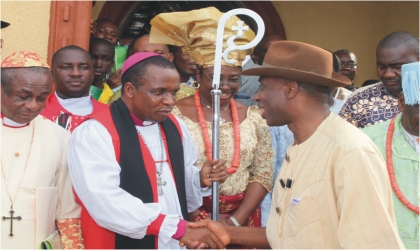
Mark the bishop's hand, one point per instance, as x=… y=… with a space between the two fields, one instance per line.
x=201 y=236
x=217 y=228
x=213 y=171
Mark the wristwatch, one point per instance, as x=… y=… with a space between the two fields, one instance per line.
x=235 y=222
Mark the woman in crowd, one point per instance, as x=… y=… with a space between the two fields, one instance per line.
x=244 y=136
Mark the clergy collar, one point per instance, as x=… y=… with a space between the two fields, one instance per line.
x=139 y=122
x=12 y=124
x=80 y=102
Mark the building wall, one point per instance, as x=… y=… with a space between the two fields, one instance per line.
x=29 y=26
x=357 y=26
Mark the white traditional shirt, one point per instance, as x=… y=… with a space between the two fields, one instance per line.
x=95 y=174
x=412 y=140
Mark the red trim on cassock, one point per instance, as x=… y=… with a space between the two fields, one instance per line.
x=95 y=237
x=154 y=227
x=101 y=238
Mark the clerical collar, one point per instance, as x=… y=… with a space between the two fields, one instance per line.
x=139 y=122
x=78 y=106
x=10 y=123
x=80 y=102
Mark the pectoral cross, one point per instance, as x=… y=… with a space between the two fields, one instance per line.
x=160 y=184
x=11 y=218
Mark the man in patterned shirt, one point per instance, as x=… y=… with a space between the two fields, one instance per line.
x=379 y=102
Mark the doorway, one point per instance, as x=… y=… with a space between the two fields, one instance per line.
x=133 y=18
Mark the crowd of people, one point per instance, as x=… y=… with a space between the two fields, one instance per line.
x=122 y=157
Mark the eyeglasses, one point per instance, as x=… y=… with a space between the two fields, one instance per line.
x=232 y=82
x=350 y=65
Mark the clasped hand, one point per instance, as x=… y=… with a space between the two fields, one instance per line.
x=204 y=234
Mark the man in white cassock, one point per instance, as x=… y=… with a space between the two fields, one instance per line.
x=37 y=201
x=132 y=165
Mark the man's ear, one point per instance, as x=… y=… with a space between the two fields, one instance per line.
x=129 y=89
x=292 y=88
x=401 y=102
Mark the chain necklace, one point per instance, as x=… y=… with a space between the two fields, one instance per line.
x=221 y=109
x=6 y=184
x=209 y=107
x=160 y=169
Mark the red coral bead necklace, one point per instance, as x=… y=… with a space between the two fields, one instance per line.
x=391 y=173
x=206 y=137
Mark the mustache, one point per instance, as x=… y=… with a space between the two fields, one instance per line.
x=393 y=79
x=166 y=108
x=75 y=80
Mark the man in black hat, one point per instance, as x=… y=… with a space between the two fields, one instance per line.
x=332 y=190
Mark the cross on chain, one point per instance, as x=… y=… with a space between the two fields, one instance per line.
x=240 y=28
x=160 y=184
x=11 y=221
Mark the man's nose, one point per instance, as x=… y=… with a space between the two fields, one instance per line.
x=389 y=73
x=107 y=35
x=169 y=99
x=75 y=71
x=98 y=63
x=33 y=105
x=256 y=97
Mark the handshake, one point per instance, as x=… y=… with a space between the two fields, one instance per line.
x=205 y=234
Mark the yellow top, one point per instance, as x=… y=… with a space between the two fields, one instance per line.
x=196 y=32
x=106 y=95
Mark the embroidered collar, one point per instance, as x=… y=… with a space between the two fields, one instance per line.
x=12 y=124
